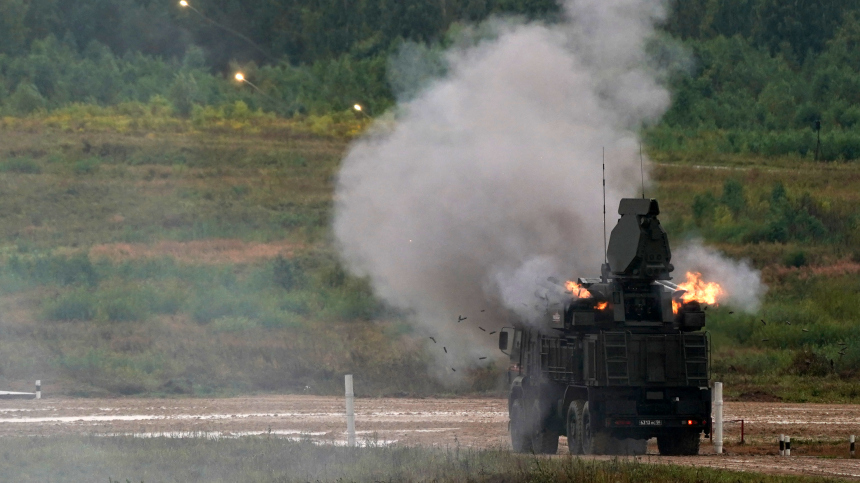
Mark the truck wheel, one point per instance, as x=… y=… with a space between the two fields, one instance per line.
x=521 y=438
x=593 y=441
x=684 y=444
x=544 y=435
x=574 y=437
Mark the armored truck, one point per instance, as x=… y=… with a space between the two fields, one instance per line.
x=621 y=359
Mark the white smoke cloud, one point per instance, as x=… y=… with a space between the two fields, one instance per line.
x=489 y=179
x=740 y=282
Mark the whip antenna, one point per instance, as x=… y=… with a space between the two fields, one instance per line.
x=642 y=169
x=604 y=204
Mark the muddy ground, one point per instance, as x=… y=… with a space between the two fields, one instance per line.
x=819 y=431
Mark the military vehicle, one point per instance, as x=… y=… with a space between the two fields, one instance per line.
x=618 y=359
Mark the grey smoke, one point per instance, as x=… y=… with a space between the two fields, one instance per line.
x=488 y=180
x=741 y=283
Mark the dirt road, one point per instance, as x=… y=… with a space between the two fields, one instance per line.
x=470 y=422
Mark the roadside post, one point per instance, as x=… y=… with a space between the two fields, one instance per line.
x=718 y=417
x=350 y=411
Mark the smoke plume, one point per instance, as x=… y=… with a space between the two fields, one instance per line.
x=488 y=181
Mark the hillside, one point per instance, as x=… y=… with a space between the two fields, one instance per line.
x=183 y=260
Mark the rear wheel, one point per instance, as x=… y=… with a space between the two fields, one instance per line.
x=593 y=441
x=684 y=444
x=545 y=435
x=521 y=438
x=574 y=437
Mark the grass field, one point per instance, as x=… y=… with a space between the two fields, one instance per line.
x=251 y=459
x=145 y=254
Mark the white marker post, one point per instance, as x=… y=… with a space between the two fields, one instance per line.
x=788 y=445
x=39 y=389
x=782 y=445
x=851 y=445
x=718 y=417
x=350 y=411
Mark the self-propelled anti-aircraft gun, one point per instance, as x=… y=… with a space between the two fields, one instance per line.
x=621 y=360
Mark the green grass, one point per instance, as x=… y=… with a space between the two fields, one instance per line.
x=269 y=459
x=116 y=274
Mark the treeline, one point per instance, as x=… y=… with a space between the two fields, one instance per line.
x=298 y=31
x=760 y=73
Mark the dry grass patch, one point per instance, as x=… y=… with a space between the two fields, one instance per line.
x=210 y=252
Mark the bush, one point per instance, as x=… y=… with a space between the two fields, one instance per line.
x=287 y=273
x=87 y=166
x=795 y=259
x=221 y=302
x=77 y=305
x=123 y=306
x=23 y=165
x=61 y=270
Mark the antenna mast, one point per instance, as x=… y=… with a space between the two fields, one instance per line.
x=604 y=205
x=642 y=169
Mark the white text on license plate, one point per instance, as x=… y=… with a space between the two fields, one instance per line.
x=650 y=422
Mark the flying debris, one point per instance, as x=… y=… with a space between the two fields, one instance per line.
x=483 y=310
x=445 y=349
x=460 y=318
x=706 y=308
x=455 y=370
x=763 y=322
x=805 y=330
x=433 y=339
x=788 y=322
x=481 y=358
x=482 y=329
x=730 y=312
x=765 y=340
x=493 y=332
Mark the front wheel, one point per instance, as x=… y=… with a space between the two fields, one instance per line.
x=545 y=435
x=520 y=426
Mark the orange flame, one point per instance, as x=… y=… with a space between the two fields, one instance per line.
x=697 y=290
x=601 y=305
x=577 y=290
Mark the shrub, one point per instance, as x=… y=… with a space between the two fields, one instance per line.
x=55 y=269
x=23 y=165
x=77 y=305
x=286 y=272
x=796 y=259
x=123 y=306
x=87 y=166
x=232 y=324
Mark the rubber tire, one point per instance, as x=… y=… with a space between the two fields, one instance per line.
x=592 y=442
x=544 y=436
x=683 y=444
x=520 y=428
x=574 y=437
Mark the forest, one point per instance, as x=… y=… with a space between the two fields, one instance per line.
x=760 y=72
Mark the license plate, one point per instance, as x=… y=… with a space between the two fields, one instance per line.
x=650 y=422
